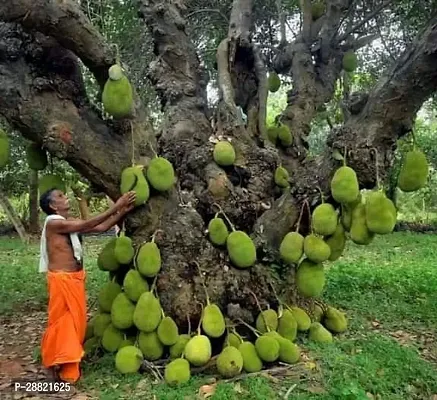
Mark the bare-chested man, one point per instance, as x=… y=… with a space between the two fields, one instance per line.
x=61 y=347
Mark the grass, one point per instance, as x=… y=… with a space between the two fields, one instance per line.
x=388 y=289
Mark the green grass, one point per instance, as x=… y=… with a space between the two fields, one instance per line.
x=386 y=288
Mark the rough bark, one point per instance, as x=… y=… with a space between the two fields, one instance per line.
x=13 y=217
x=33 y=202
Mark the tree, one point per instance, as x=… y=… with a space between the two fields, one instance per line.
x=42 y=94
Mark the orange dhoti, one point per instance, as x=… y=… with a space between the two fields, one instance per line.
x=62 y=342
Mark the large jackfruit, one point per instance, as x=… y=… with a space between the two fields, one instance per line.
x=213 y=321
x=218 y=231
x=324 y=219
x=109 y=291
x=128 y=360
x=350 y=61
x=232 y=339
x=282 y=177
x=149 y=260
x=310 y=279
x=198 y=350
x=291 y=247
x=287 y=325
x=344 y=185
x=303 y=320
x=380 y=213
x=133 y=179
x=134 y=285
x=148 y=313
x=178 y=348
x=284 y=135
x=272 y=134
x=229 y=362
x=267 y=348
x=177 y=372
x=51 y=181
x=150 y=345
x=288 y=351
x=337 y=243
x=273 y=82
x=241 y=249
x=335 y=320
x=106 y=260
x=160 y=174
x=359 y=232
x=317 y=9
x=414 y=171
x=5 y=150
x=316 y=249
x=122 y=312
x=101 y=322
x=123 y=249
x=224 y=153
x=267 y=321
x=251 y=360
x=318 y=333
x=36 y=157
x=112 y=338
x=117 y=95
x=168 y=331
x=317 y=313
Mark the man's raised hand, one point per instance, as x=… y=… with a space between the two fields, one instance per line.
x=127 y=200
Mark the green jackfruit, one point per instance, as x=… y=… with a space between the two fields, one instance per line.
x=291 y=248
x=126 y=342
x=106 y=260
x=241 y=249
x=160 y=174
x=89 y=333
x=273 y=82
x=224 y=153
x=310 y=279
x=133 y=179
x=267 y=348
x=109 y=291
x=316 y=249
x=101 y=322
x=229 y=362
x=5 y=150
x=168 y=331
x=318 y=333
x=91 y=345
x=148 y=313
x=177 y=372
x=36 y=157
x=287 y=326
x=267 y=321
x=414 y=171
x=149 y=260
x=128 y=360
x=317 y=9
x=218 y=231
x=51 y=181
x=284 y=135
x=289 y=352
x=233 y=340
x=380 y=213
x=324 y=219
x=334 y=320
x=282 y=177
x=112 y=338
x=346 y=215
x=359 y=232
x=251 y=360
x=178 y=348
x=303 y=320
x=123 y=249
x=150 y=345
x=117 y=95
x=350 y=61
x=213 y=321
x=337 y=243
x=344 y=185
x=272 y=134
x=134 y=285
x=198 y=350
x=317 y=313
x=122 y=312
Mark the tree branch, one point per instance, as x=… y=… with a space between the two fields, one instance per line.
x=307 y=18
x=208 y=10
x=281 y=18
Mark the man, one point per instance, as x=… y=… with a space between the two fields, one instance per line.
x=61 y=258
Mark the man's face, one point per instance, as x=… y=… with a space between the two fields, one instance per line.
x=59 y=201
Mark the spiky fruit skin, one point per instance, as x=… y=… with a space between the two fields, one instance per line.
x=160 y=174
x=117 y=97
x=287 y=326
x=346 y=214
x=213 y=321
x=241 y=249
x=112 y=338
x=123 y=250
x=101 y=322
x=318 y=333
x=350 y=61
x=337 y=243
x=334 y=320
x=414 y=171
x=218 y=231
x=168 y=331
x=36 y=157
x=317 y=313
x=148 y=313
x=150 y=346
x=359 y=232
x=149 y=260
x=267 y=348
x=122 y=312
x=134 y=285
x=5 y=150
x=251 y=360
x=273 y=82
x=128 y=360
x=267 y=321
x=303 y=320
x=229 y=362
x=133 y=179
x=232 y=340
x=198 y=350
x=310 y=279
x=106 y=260
x=344 y=185
x=289 y=352
x=281 y=177
x=178 y=348
x=272 y=134
x=51 y=181
x=380 y=213
x=284 y=135
x=316 y=249
x=291 y=247
x=324 y=219
x=177 y=372
x=317 y=9
x=224 y=154
x=107 y=294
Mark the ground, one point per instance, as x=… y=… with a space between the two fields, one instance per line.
x=388 y=289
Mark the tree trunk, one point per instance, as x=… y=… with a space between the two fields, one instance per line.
x=13 y=217
x=33 y=202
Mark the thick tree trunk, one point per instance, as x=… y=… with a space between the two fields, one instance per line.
x=13 y=217
x=33 y=202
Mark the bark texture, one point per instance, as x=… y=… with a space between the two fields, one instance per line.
x=33 y=202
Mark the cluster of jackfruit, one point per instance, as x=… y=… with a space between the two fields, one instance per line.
x=280 y=135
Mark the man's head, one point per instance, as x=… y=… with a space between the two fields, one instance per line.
x=54 y=201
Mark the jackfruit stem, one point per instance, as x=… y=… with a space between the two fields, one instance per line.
x=154 y=235
x=189 y=324
x=203 y=282
x=153 y=150
x=260 y=310
x=257 y=333
x=275 y=293
x=227 y=219
x=345 y=156
x=414 y=139
x=132 y=143
x=321 y=194
x=300 y=215
x=201 y=317
x=152 y=288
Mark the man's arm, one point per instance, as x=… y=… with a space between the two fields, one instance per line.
x=108 y=224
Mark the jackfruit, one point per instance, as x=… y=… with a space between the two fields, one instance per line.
x=122 y=312
x=344 y=185
x=149 y=260
x=267 y=321
x=272 y=134
x=126 y=342
x=198 y=350
x=291 y=248
x=229 y=362
x=123 y=249
x=160 y=174
x=233 y=340
x=282 y=177
x=213 y=321
x=318 y=333
x=303 y=320
x=274 y=82
x=150 y=345
x=134 y=285
x=148 y=313
x=380 y=213
x=133 y=179
x=251 y=360
x=335 y=320
x=337 y=243
x=316 y=249
x=36 y=157
x=267 y=348
x=101 y=322
x=218 y=231
x=317 y=313
x=112 y=338
x=224 y=153
x=317 y=9
x=350 y=61
x=128 y=360
x=89 y=333
x=91 y=345
x=310 y=279
x=117 y=95
x=5 y=151
x=346 y=215
x=359 y=232
x=414 y=171
x=324 y=219
x=284 y=135
x=51 y=181
x=168 y=331
x=241 y=249
x=178 y=348
x=288 y=351
x=177 y=372
x=106 y=260
x=287 y=326
x=109 y=291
